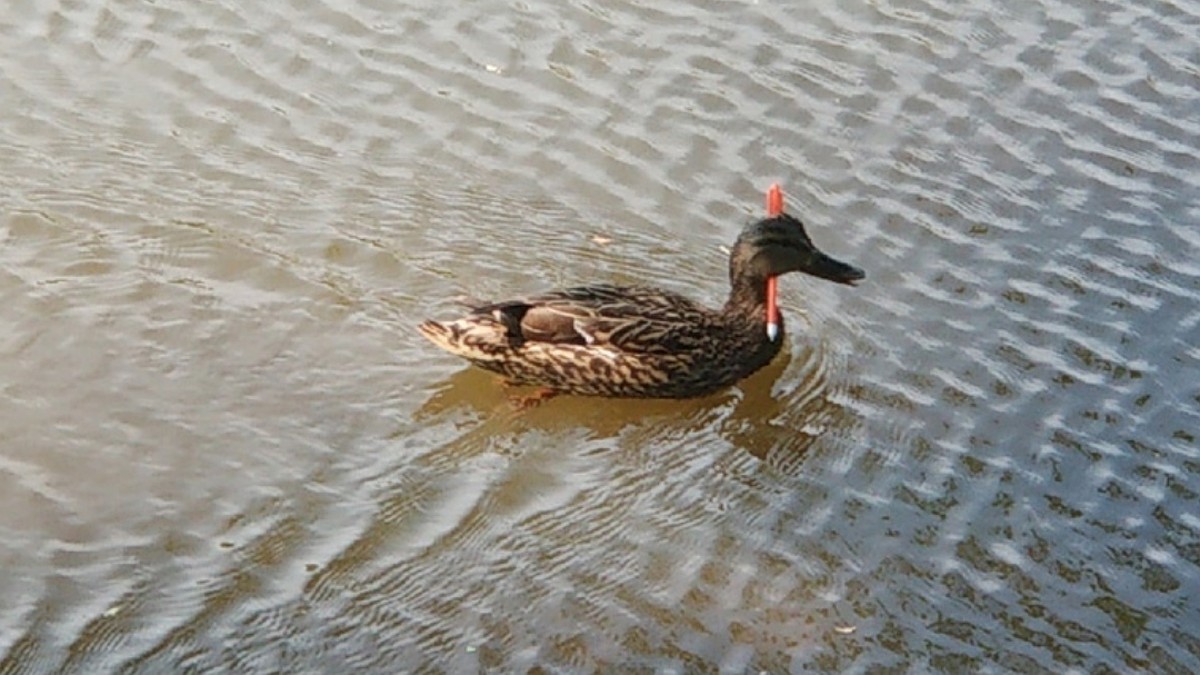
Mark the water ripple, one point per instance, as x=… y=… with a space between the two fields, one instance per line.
x=224 y=448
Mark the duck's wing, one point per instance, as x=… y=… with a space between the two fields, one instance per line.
x=631 y=319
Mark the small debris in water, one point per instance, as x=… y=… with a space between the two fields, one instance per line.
x=845 y=630
x=112 y=611
x=603 y=241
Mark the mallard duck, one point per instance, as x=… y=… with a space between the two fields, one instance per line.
x=637 y=341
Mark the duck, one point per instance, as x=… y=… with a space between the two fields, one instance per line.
x=614 y=341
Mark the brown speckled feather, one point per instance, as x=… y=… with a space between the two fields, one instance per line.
x=608 y=341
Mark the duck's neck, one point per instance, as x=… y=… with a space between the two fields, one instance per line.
x=745 y=314
x=748 y=297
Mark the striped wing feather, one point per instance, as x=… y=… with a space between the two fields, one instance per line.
x=630 y=319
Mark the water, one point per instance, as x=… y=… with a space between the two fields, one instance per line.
x=223 y=446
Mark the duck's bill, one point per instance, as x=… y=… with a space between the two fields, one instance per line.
x=835 y=270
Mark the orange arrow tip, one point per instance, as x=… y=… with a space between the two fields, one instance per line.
x=774 y=200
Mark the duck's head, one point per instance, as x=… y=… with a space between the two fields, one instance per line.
x=778 y=245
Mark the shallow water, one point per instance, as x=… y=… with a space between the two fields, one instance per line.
x=223 y=446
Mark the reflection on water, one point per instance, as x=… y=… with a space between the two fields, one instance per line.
x=223 y=446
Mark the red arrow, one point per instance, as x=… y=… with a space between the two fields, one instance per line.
x=774 y=208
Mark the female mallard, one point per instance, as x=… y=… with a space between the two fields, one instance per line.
x=638 y=341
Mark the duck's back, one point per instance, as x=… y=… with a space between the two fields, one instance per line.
x=618 y=341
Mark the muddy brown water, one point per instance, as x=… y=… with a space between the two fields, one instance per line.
x=224 y=448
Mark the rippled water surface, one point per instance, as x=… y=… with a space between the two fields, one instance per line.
x=223 y=446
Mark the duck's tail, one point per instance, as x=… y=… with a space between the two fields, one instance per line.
x=439 y=334
x=474 y=340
